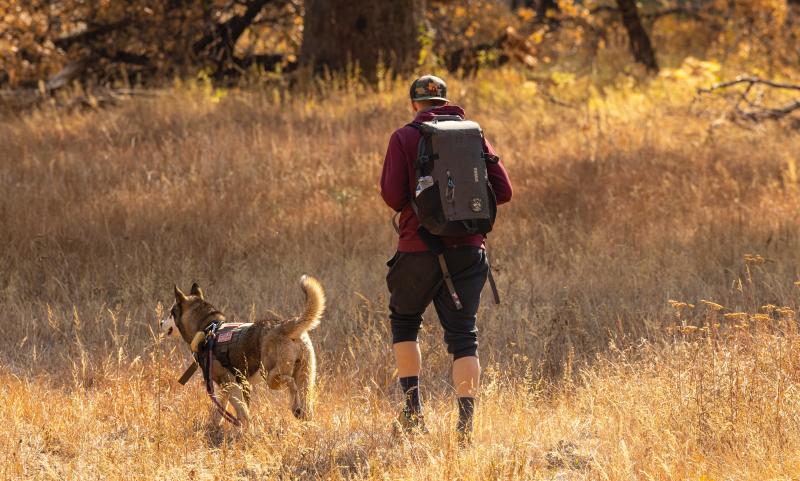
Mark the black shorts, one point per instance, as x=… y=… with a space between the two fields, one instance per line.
x=415 y=279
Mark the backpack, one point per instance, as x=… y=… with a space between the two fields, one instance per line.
x=453 y=197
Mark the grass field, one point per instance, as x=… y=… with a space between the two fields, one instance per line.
x=629 y=198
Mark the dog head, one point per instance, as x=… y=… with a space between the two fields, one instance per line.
x=188 y=315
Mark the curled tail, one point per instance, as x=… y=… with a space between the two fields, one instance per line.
x=315 y=306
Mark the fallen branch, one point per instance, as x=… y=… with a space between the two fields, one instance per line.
x=742 y=79
x=754 y=110
x=771 y=113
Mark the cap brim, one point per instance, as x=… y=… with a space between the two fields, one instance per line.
x=429 y=98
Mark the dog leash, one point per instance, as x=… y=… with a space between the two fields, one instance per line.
x=210 y=389
x=188 y=373
x=210 y=339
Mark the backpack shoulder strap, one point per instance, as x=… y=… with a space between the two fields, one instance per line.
x=425 y=152
x=487 y=157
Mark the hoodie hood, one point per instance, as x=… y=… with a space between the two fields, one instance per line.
x=428 y=115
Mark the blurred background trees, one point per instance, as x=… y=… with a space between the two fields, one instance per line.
x=143 y=41
x=47 y=44
x=339 y=32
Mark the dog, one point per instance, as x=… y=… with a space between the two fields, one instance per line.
x=279 y=351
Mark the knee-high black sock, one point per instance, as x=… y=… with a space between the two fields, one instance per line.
x=410 y=387
x=466 y=408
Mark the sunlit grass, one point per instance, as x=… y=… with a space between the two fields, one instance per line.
x=632 y=219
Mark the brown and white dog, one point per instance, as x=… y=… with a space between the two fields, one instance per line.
x=280 y=351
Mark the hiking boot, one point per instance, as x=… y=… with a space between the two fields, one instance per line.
x=409 y=422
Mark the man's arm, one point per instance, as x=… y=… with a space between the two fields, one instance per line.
x=394 y=178
x=498 y=177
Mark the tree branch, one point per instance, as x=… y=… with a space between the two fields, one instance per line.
x=689 y=12
x=227 y=33
x=89 y=34
x=742 y=79
x=756 y=112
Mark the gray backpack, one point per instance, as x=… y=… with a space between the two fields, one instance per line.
x=453 y=196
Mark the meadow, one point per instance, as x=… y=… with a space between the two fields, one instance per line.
x=648 y=268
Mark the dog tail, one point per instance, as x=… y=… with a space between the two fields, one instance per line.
x=315 y=306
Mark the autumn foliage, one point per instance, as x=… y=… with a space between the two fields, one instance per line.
x=135 y=42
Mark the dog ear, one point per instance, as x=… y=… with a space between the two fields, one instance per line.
x=196 y=291
x=179 y=295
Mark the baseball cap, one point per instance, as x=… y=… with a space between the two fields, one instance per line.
x=429 y=87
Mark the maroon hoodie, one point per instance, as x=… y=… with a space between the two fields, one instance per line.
x=398 y=182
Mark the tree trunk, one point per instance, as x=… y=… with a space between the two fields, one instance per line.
x=544 y=6
x=342 y=33
x=641 y=48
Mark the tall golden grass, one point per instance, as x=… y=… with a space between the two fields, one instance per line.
x=625 y=200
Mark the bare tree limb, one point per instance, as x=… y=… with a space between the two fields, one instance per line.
x=90 y=34
x=227 y=33
x=755 y=111
x=764 y=113
x=688 y=12
x=742 y=79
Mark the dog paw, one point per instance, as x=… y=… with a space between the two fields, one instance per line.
x=216 y=435
x=301 y=413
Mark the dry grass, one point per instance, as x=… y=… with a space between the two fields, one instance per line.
x=622 y=203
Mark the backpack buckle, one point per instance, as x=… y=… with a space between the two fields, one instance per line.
x=451 y=187
x=489 y=158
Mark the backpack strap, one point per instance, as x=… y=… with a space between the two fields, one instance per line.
x=492 y=283
x=487 y=157
x=423 y=157
x=425 y=152
x=448 y=280
x=490 y=159
x=435 y=244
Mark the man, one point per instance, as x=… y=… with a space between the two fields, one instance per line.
x=415 y=278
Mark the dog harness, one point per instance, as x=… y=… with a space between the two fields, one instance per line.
x=229 y=335
x=220 y=338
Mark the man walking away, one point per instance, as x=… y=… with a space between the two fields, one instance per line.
x=445 y=181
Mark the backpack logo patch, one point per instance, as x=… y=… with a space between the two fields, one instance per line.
x=476 y=204
x=225 y=336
